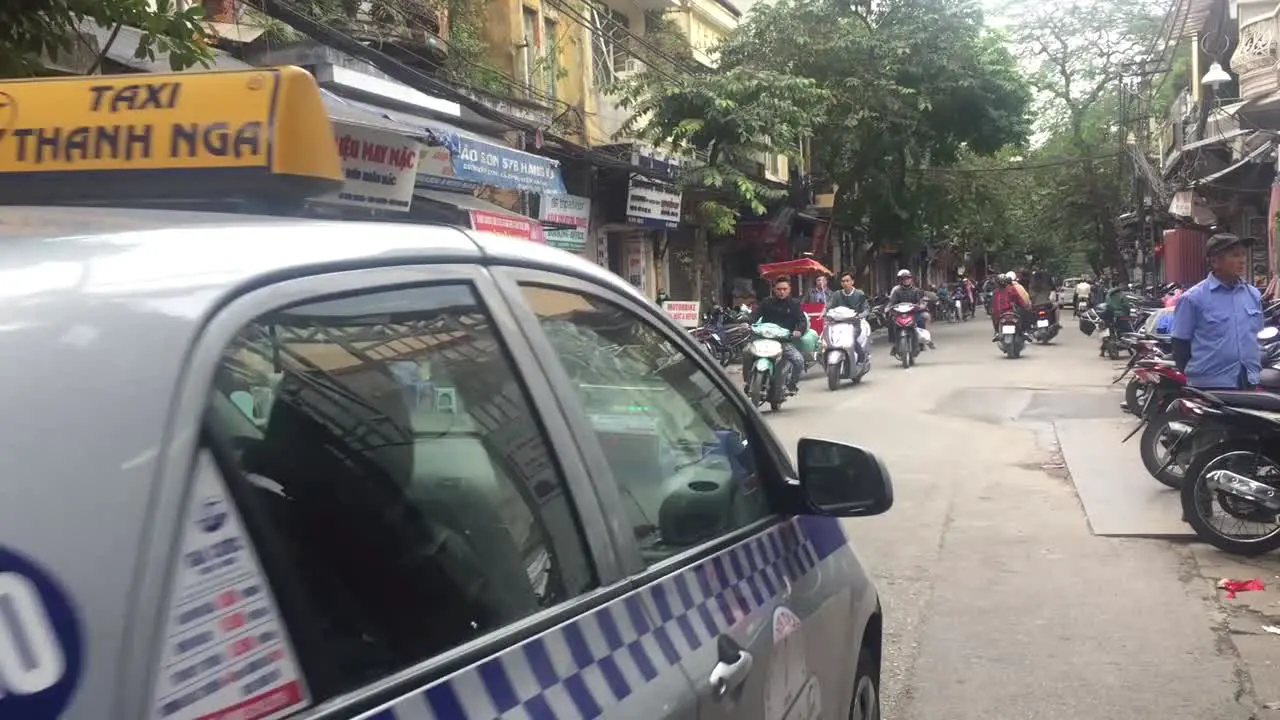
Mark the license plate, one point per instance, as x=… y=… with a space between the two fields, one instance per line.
x=1008 y=329
x=1042 y=323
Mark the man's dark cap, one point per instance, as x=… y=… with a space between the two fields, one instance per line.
x=1225 y=241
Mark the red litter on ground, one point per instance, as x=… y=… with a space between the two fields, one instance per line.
x=1236 y=586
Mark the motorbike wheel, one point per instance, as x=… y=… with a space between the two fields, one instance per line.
x=1167 y=471
x=1197 y=497
x=778 y=385
x=757 y=389
x=904 y=351
x=833 y=376
x=1135 y=396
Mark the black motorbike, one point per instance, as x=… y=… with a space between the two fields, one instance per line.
x=1238 y=478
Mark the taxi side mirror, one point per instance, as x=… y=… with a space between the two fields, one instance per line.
x=843 y=480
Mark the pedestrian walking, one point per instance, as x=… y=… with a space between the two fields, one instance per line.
x=1216 y=322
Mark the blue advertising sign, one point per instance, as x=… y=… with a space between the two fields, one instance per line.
x=486 y=163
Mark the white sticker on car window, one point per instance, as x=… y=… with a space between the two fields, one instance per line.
x=226 y=654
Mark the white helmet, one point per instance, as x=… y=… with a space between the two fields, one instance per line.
x=1011 y=275
x=904 y=273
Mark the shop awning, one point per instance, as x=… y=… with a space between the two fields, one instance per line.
x=1251 y=157
x=347 y=112
x=481 y=160
x=801 y=266
x=486 y=216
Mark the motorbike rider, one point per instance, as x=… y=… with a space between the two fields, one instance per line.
x=906 y=292
x=1084 y=294
x=850 y=297
x=1042 y=294
x=1006 y=299
x=784 y=311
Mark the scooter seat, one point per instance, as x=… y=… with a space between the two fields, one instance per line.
x=1248 y=399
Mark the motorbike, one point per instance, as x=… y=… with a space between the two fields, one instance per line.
x=1240 y=475
x=724 y=335
x=960 y=314
x=911 y=338
x=1011 y=337
x=1172 y=437
x=1046 y=329
x=838 y=337
x=766 y=374
x=986 y=301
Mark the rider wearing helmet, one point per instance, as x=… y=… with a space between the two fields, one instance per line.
x=1007 y=299
x=905 y=292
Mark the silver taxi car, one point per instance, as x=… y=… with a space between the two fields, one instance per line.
x=264 y=468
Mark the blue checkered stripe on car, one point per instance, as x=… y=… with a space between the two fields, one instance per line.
x=582 y=668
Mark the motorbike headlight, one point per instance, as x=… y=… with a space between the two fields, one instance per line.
x=766 y=348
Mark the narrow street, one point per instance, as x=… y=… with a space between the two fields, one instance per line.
x=1000 y=601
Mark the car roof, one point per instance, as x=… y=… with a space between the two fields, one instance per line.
x=117 y=249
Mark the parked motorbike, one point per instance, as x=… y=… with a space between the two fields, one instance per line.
x=1011 y=337
x=1172 y=437
x=1046 y=329
x=725 y=334
x=910 y=339
x=767 y=372
x=1239 y=475
x=838 y=337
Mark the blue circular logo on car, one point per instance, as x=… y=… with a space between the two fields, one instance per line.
x=212 y=514
x=41 y=645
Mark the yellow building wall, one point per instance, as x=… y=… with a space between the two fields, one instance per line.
x=504 y=35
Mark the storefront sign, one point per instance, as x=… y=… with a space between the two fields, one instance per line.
x=486 y=163
x=684 y=312
x=653 y=205
x=565 y=210
x=574 y=241
x=633 y=255
x=378 y=167
x=435 y=170
x=509 y=225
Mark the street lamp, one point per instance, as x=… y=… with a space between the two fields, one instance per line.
x=1216 y=76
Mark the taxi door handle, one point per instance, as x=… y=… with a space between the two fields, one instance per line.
x=732 y=668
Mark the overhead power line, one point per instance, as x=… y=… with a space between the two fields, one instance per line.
x=1019 y=167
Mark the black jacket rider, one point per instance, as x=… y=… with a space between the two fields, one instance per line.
x=784 y=313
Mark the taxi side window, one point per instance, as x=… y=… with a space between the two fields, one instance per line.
x=399 y=476
x=677 y=445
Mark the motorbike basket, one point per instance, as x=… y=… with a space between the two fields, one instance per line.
x=1087 y=326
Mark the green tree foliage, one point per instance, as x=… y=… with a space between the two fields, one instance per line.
x=729 y=118
x=30 y=30
x=1075 y=53
x=885 y=92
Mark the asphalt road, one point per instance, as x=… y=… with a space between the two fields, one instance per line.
x=1000 y=603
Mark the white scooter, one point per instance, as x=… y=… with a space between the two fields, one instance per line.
x=841 y=325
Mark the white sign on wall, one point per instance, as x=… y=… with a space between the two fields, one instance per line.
x=653 y=205
x=565 y=210
x=684 y=312
x=379 y=168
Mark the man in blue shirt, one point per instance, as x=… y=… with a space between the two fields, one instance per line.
x=1216 y=323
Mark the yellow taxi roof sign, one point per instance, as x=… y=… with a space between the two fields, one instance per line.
x=253 y=133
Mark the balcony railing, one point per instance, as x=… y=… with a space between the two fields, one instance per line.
x=1254 y=59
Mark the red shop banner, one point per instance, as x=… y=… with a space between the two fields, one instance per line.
x=509 y=225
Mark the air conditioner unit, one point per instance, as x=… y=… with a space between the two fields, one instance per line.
x=629 y=66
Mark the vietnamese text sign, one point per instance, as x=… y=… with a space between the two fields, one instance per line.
x=574 y=241
x=378 y=168
x=565 y=210
x=684 y=312
x=653 y=205
x=487 y=163
x=509 y=225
